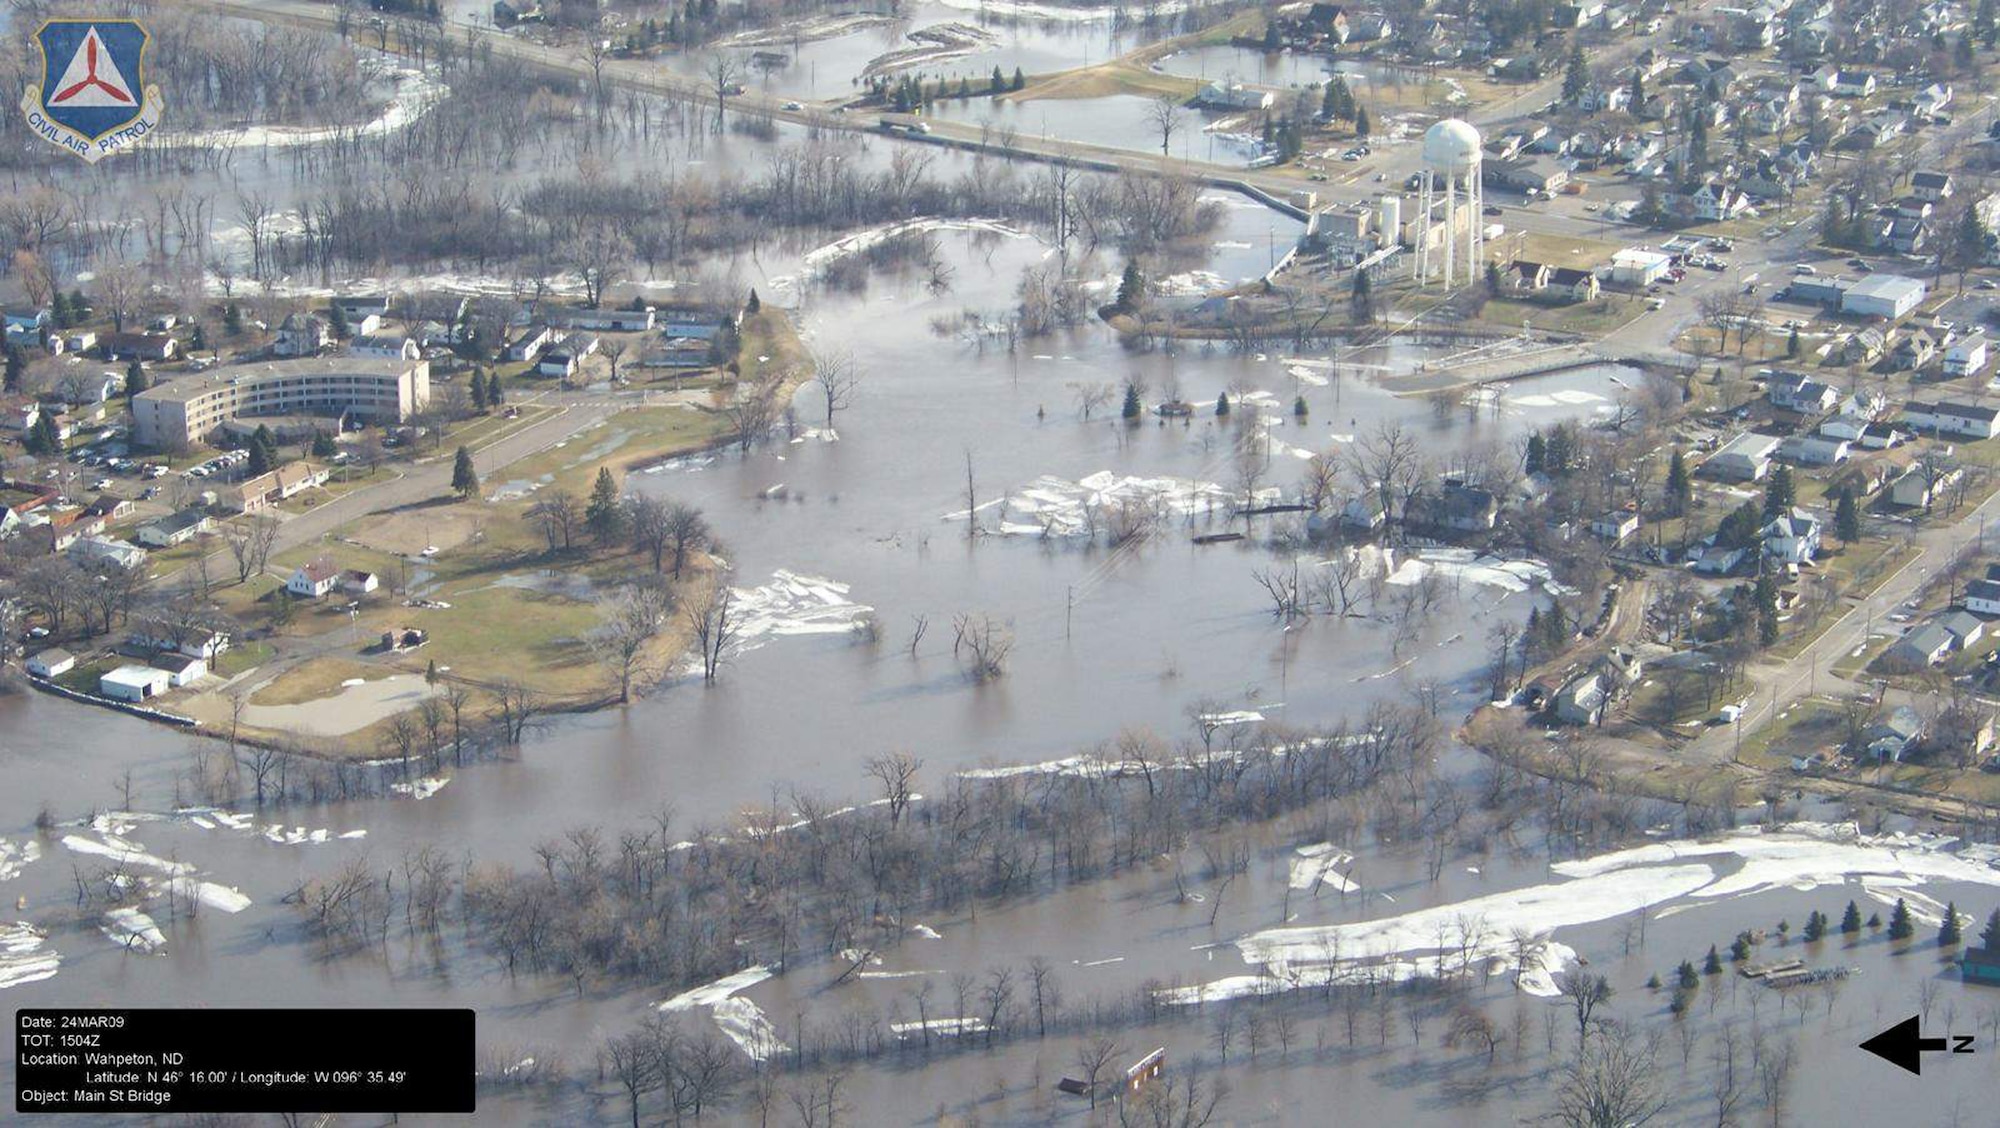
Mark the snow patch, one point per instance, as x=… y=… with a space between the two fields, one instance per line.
x=22 y=958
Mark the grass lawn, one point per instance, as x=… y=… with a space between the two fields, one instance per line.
x=1590 y=318
x=314 y=679
x=1107 y=79
x=627 y=439
x=240 y=657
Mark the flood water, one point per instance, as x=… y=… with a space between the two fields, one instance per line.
x=868 y=514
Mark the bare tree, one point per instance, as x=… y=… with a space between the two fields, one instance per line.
x=837 y=377
x=723 y=81
x=1091 y=1059
x=636 y=618
x=712 y=618
x=250 y=543
x=897 y=772
x=985 y=641
x=1165 y=115
x=1612 y=1082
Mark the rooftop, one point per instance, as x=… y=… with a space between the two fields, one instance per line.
x=182 y=390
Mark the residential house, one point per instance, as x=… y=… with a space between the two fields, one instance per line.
x=134 y=683
x=1966 y=355
x=314 y=578
x=1931 y=100
x=384 y=346
x=301 y=334
x=1456 y=506
x=1792 y=538
x=265 y=490
x=1364 y=510
x=1897 y=733
x=1863 y=346
x=180 y=636
x=1982 y=597
x=1810 y=450
x=1795 y=392
x=1965 y=628
x=174 y=528
x=356 y=581
x=1916 y=489
x=1933 y=186
x=1959 y=419
x=1573 y=284
x=1582 y=700
x=529 y=342
x=1914 y=349
x=565 y=356
x=108 y=508
x=24 y=326
x=82 y=340
x=1713 y=202
x=1745 y=458
x=1328 y=20
x=1853 y=83
x=1615 y=526
x=1527 y=277
x=1232 y=96
x=96 y=549
x=1600 y=98
x=155 y=347
x=1530 y=174
x=610 y=320
x=357 y=308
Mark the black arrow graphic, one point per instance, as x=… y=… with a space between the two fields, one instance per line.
x=1902 y=1045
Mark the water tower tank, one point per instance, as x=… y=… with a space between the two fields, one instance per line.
x=1452 y=147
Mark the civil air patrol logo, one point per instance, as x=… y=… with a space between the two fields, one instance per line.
x=93 y=99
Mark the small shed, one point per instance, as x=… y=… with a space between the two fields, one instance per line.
x=1145 y=1069
x=51 y=663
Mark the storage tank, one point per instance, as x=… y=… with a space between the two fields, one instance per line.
x=1391 y=215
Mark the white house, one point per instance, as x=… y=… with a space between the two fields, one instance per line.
x=1853 y=83
x=314 y=578
x=1962 y=420
x=134 y=683
x=1804 y=395
x=354 y=581
x=1808 y=450
x=1637 y=268
x=1982 y=597
x=1932 y=186
x=1616 y=525
x=1966 y=355
x=92 y=549
x=301 y=334
x=1792 y=538
x=1745 y=458
x=55 y=662
x=384 y=347
x=173 y=529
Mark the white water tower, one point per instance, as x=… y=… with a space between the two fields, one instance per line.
x=1450 y=184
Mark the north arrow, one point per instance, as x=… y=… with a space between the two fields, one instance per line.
x=1902 y=1045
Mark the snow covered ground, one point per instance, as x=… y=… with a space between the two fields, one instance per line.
x=1056 y=507
x=741 y=1020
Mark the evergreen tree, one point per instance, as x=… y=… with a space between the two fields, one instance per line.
x=1766 y=597
x=232 y=320
x=1948 y=931
x=1874 y=920
x=1299 y=407
x=1536 y=461
x=1900 y=927
x=323 y=445
x=1792 y=344
x=336 y=320
x=1131 y=288
x=1020 y=80
x=59 y=309
x=1329 y=102
x=495 y=394
x=1739 y=949
x=753 y=305
x=605 y=513
x=17 y=369
x=262 y=457
x=1361 y=123
x=1815 y=927
x=1636 y=93
x=999 y=81
x=1713 y=964
x=1780 y=495
x=964 y=88
x=464 y=477
x=43 y=439
x=1850 y=921
x=135 y=379
x=1132 y=406
x=477 y=387
x=1680 y=486
x=1222 y=405
x=1559 y=454
x=1363 y=301
x=1686 y=977
x=79 y=306
x=197 y=338
x=1576 y=78
x=1847 y=517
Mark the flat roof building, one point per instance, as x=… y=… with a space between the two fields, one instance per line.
x=182 y=412
x=1883 y=295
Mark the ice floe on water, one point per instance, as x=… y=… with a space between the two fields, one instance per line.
x=1513 y=930
x=1316 y=867
x=14 y=855
x=415 y=94
x=793 y=603
x=1056 y=507
x=741 y=1020
x=1461 y=565
x=422 y=788
x=125 y=854
x=23 y=955
x=939 y=1026
x=217 y=818
x=819 y=258
x=132 y=929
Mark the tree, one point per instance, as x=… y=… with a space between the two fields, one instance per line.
x=636 y=618
x=1131 y=288
x=1712 y=965
x=1576 y=76
x=1361 y=123
x=197 y=338
x=495 y=394
x=1020 y=80
x=838 y=378
x=752 y=305
x=721 y=71
x=1222 y=405
x=1132 y=408
x=1948 y=930
x=1165 y=114
x=1792 y=344
x=336 y=320
x=1847 y=517
x=477 y=386
x=232 y=320
x=711 y=618
x=1680 y=486
x=1363 y=299
x=464 y=476
x=17 y=369
x=1765 y=597
x=250 y=544
x=1850 y=921
x=998 y=83
x=1900 y=926
x=1585 y=994
x=1535 y=460
x=603 y=514
x=1612 y=1082
x=1815 y=928
x=43 y=439
x=1780 y=495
